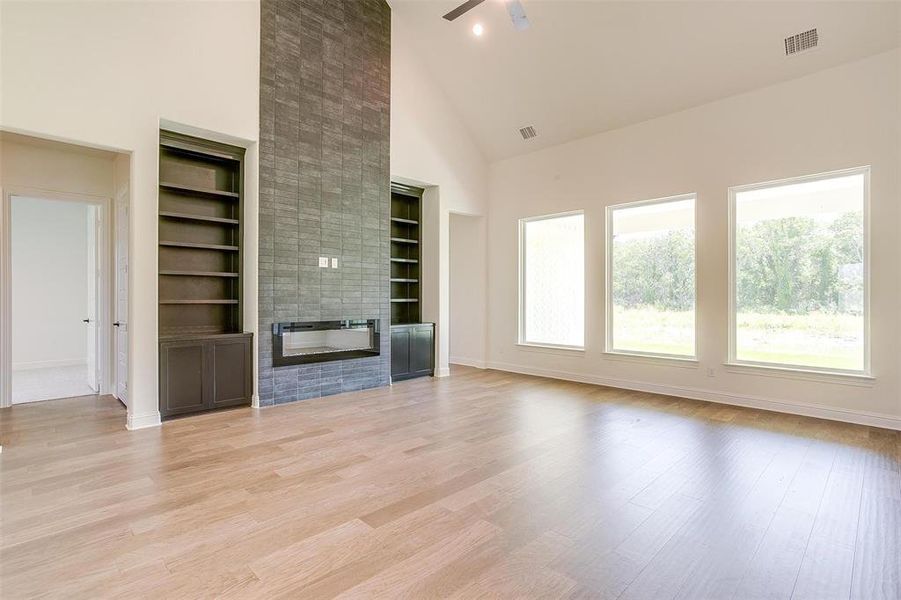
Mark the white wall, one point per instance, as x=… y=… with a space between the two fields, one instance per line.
x=431 y=147
x=468 y=290
x=843 y=117
x=106 y=74
x=429 y=142
x=50 y=276
x=53 y=167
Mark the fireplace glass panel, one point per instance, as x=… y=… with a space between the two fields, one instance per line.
x=319 y=341
x=331 y=340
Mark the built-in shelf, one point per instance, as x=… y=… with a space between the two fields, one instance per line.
x=200 y=246
x=405 y=237
x=200 y=273
x=199 y=335
x=190 y=189
x=205 y=358
x=412 y=342
x=192 y=217
x=198 y=301
x=191 y=150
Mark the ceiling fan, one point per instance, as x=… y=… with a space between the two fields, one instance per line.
x=514 y=8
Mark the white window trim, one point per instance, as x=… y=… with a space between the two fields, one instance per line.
x=855 y=378
x=550 y=348
x=803 y=371
x=521 y=316
x=665 y=360
x=609 y=348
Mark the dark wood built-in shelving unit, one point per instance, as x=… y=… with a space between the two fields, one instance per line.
x=412 y=342
x=200 y=273
x=205 y=358
x=200 y=190
x=200 y=245
x=405 y=236
x=189 y=217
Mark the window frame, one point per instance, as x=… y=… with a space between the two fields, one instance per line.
x=732 y=358
x=521 y=307
x=609 y=347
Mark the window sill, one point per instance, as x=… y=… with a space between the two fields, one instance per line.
x=654 y=359
x=550 y=348
x=855 y=379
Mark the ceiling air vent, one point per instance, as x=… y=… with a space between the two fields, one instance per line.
x=801 y=42
x=528 y=132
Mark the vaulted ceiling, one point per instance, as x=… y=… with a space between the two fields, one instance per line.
x=589 y=66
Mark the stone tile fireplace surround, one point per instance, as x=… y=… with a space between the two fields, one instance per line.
x=324 y=184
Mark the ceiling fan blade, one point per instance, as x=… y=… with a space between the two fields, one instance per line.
x=465 y=7
x=517 y=14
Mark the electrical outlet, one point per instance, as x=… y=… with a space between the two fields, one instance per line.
x=334 y=263
x=711 y=372
x=323 y=262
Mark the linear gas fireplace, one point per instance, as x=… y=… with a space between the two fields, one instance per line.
x=320 y=341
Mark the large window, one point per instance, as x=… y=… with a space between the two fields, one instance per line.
x=651 y=277
x=552 y=280
x=799 y=273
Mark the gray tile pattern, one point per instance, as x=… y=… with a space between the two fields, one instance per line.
x=324 y=183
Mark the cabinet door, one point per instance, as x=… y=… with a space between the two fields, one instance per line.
x=400 y=352
x=232 y=365
x=182 y=369
x=421 y=350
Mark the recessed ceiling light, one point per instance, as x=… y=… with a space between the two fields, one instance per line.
x=478 y=30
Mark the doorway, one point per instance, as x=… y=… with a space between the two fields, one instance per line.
x=56 y=287
x=63 y=269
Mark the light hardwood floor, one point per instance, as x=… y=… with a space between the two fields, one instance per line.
x=484 y=484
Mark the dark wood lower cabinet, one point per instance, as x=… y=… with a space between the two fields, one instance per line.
x=204 y=373
x=232 y=361
x=412 y=350
x=182 y=376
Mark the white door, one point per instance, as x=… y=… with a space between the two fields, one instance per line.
x=92 y=333
x=120 y=327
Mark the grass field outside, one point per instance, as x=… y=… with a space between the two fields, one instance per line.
x=653 y=331
x=820 y=340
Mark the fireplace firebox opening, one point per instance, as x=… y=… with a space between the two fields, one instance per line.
x=321 y=341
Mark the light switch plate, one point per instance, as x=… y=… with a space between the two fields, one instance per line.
x=323 y=262
x=334 y=263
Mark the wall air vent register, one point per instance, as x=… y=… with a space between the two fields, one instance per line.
x=806 y=40
x=528 y=132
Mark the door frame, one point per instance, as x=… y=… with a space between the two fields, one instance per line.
x=106 y=300
x=119 y=228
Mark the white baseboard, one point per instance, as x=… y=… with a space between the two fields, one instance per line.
x=468 y=362
x=442 y=372
x=143 y=421
x=49 y=364
x=882 y=420
x=255 y=401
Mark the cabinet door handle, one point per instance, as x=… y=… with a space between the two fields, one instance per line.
x=117 y=324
